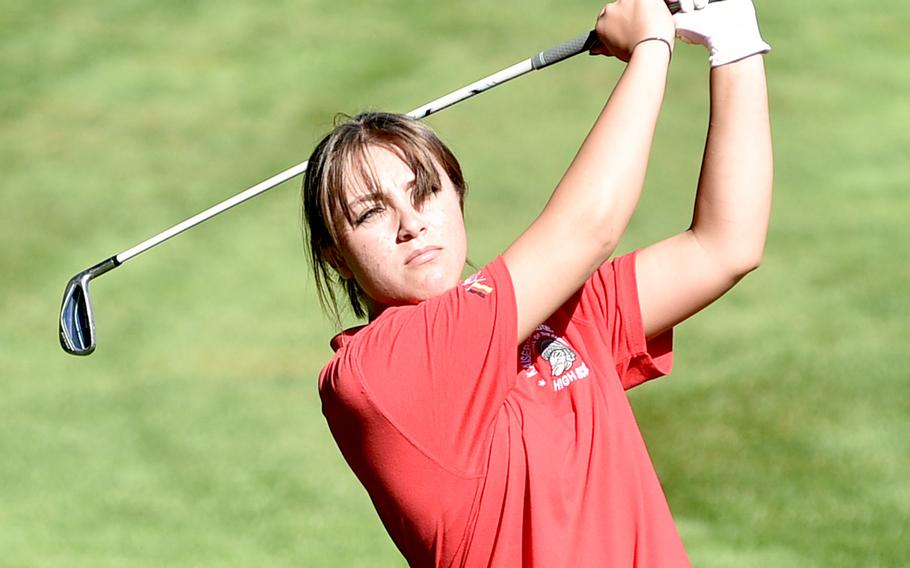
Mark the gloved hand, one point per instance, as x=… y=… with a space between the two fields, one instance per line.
x=729 y=29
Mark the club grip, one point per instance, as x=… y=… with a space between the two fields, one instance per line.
x=565 y=50
x=579 y=44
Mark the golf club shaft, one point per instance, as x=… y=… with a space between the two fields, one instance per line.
x=77 y=327
x=565 y=50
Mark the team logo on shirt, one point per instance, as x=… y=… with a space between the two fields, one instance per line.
x=558 y=355
x=566 y=366
x=475 y=285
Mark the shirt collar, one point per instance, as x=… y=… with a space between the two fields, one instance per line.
x=344 y=337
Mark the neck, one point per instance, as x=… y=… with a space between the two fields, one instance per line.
x=374 y=310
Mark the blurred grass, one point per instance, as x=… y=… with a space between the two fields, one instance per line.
x=193 y=436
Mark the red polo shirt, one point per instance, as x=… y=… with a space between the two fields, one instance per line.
x=478 y=451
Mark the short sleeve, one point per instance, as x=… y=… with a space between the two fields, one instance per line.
x=437 y=372
x=613 y=293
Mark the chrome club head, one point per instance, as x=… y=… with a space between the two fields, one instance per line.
x=77 y=326
x=77 y=323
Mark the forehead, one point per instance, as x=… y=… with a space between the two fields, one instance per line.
x=380 y=169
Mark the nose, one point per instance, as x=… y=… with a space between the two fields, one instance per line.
x=410 y=223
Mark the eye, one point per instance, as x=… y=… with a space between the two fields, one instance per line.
x=422 y=193
x=368 y=214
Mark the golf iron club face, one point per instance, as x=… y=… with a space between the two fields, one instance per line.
x=77 y=322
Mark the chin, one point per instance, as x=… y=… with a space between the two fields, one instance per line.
x=438 y=283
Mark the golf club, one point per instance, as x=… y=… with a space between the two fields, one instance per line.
x=77 y=324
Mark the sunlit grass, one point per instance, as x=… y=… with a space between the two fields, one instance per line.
x=193 y=436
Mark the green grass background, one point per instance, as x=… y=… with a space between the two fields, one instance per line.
x=193 y=436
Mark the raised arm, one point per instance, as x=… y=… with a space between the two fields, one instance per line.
x=588 y=212
x=679 y=276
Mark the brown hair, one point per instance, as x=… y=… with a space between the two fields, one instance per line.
x=341 y=160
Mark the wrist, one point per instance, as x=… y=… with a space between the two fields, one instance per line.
x=654 y=44
x=729 y=50
x=739 y=72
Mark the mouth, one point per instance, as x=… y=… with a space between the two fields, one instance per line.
x=423 y=255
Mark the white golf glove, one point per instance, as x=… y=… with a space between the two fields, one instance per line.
x=729 y=29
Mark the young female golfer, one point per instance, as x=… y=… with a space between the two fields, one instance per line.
x=487 y=418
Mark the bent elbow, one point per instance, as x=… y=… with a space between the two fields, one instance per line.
x=744 y=262
x=735 y=258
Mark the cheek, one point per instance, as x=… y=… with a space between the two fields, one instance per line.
x=373 y=251
x=449 y=220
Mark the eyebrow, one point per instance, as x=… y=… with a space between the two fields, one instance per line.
x=372 y=196
x=378 y=195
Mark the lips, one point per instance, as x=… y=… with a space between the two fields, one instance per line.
x=422 y=255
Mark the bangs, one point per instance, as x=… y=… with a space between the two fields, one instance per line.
x=356 y=173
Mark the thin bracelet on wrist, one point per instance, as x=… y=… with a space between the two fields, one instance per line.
x=655 y=38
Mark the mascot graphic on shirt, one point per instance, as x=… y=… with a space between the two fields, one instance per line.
x=556 y=352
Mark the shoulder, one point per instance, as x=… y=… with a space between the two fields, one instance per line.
x=405 y=337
